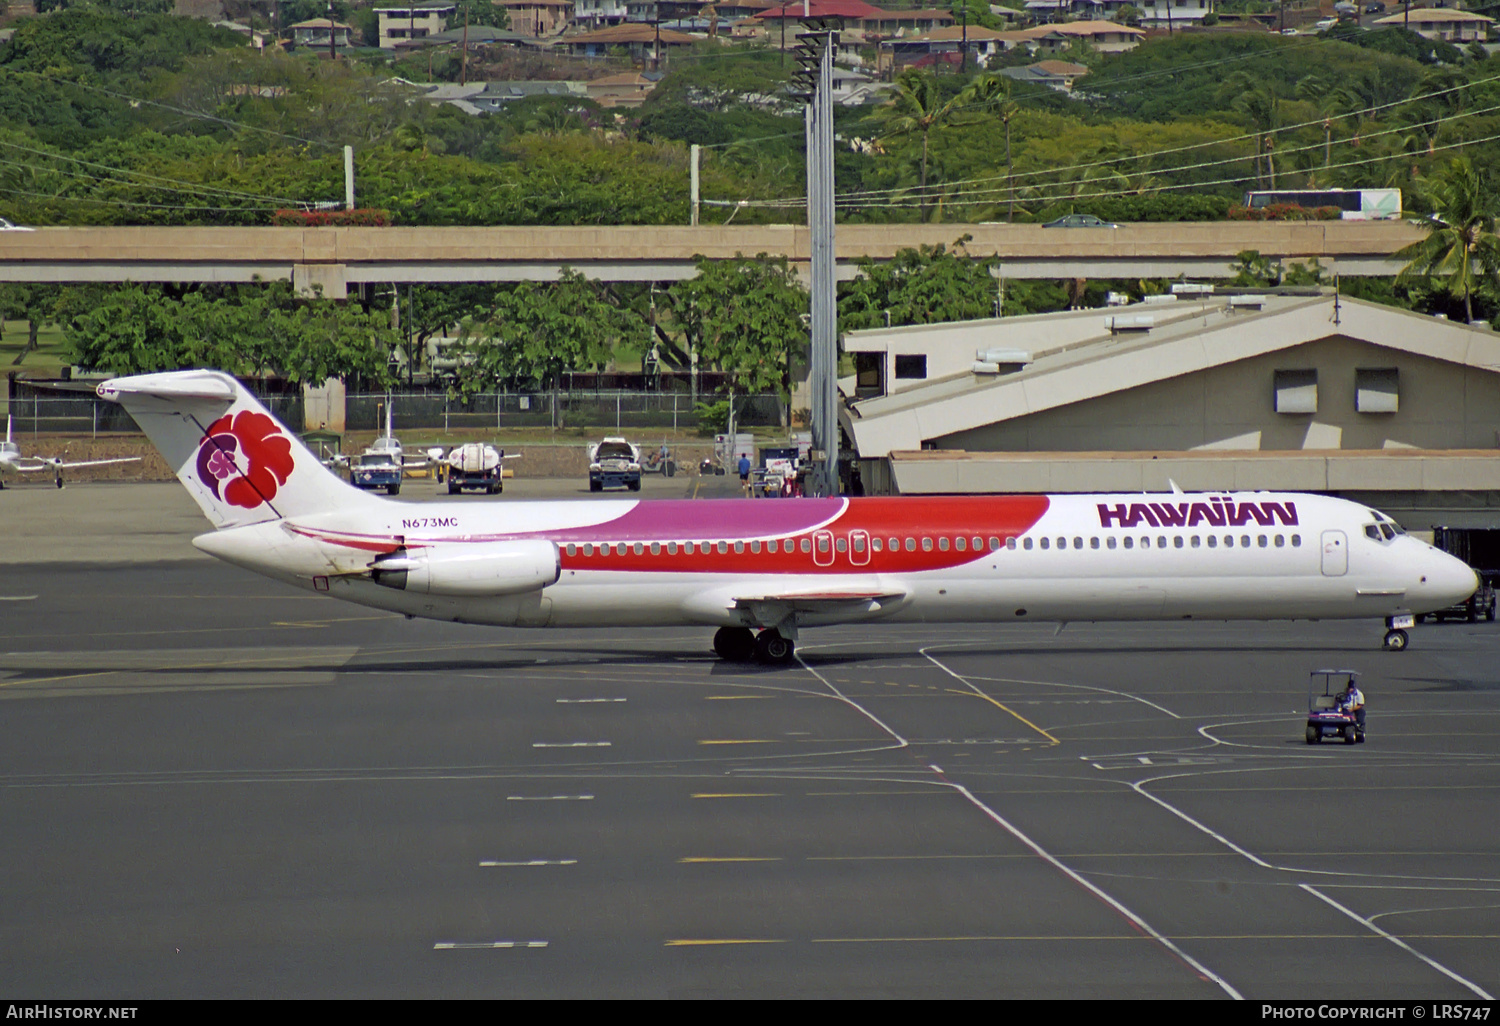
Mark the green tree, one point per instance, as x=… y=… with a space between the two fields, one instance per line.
x=36 y=304
x=1461 y=247
x=744 y=316
x=256 y=329
x=1256 y=99
x=530 y=334
x=919 y=286
x=480 y=12
x=917 y=107
x=989 y=97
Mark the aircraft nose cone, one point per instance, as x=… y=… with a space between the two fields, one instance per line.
x=1451 y=580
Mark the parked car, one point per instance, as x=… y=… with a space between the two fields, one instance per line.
x=1326 y=23
x=1079 y=221
x=1345 y=9
x=1375 y=8
x=1478 y=606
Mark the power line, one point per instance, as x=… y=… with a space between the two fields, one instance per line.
x=177 y=185
x=126 y=203
x=933 y=192
x=941 y=189
x=1194 y=146
x=1110 y=194
x=178 y=110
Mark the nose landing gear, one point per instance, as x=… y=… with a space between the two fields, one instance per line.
x=1395 y=632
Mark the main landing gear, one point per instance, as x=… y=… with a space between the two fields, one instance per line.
x=740 y=645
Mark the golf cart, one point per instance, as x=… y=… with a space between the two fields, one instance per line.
x=1325 y=717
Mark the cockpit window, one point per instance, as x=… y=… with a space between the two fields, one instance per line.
x=1372 y=531
x=1388 y=531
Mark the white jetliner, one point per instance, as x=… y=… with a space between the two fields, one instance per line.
x=11 y=459
x=777 y=566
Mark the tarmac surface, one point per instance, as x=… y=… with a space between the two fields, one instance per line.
x=215 y=786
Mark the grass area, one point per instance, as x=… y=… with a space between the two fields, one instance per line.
x=46 y=360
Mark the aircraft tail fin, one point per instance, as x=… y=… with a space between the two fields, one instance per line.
x=241 y=465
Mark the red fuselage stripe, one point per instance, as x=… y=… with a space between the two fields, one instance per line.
x=913 y=535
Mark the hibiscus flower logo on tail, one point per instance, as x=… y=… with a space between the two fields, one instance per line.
x=244 y=458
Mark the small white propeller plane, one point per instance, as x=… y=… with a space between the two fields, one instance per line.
x=760 y=571
x=11 y=459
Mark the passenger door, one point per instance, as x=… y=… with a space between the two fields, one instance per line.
x=823 y=548
x=859 y=547
x=1335 y=554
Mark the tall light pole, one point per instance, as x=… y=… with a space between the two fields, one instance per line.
x=815 y=55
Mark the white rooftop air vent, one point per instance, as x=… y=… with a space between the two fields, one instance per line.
x=981 y=367
x=1192 y=288
x=1155 y=300
x=1247 y=302
x=1131 y=322
x=1117 y=299
x=1003 y=356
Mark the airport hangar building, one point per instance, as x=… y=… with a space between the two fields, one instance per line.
x=1298 y=390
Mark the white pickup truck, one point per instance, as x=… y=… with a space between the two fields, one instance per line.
x=614 y=463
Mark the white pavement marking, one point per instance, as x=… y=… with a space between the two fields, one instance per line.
x=1059 y=684
x=549 y=798
x=485 y=945
x=1139 y=923
x=532 y=862
x=1397 y=941
x=570 y=744
x=988 y=698
x=901 y=742
x=1138 y=787
x=18 y=598
x=587 y=701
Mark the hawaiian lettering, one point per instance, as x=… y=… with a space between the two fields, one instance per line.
x=1127 y=516
x=1218 y=512
x=1171 y=515
x=1202 y=512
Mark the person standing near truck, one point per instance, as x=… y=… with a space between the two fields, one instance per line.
x=745 y=473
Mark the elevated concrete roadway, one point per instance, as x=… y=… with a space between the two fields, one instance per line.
x=335 y=258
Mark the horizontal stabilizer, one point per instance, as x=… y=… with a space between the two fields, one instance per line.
x=171 y=385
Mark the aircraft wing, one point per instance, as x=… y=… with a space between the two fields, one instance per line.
x=770 y=609
x=57 y=463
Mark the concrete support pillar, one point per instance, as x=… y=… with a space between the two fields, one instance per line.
x=308 y=279
x=323 y=406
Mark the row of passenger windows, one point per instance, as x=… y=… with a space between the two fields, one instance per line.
x=943 y=544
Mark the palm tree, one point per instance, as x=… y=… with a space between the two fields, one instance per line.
x=1256 y=99
x=1460 y=234
x=988 y=96
x=917 y=106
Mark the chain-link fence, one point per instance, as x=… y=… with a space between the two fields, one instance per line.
x=38 y=414
x=35 y=412
x=545 y=410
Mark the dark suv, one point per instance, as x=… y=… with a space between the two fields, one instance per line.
x=1480 y=604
